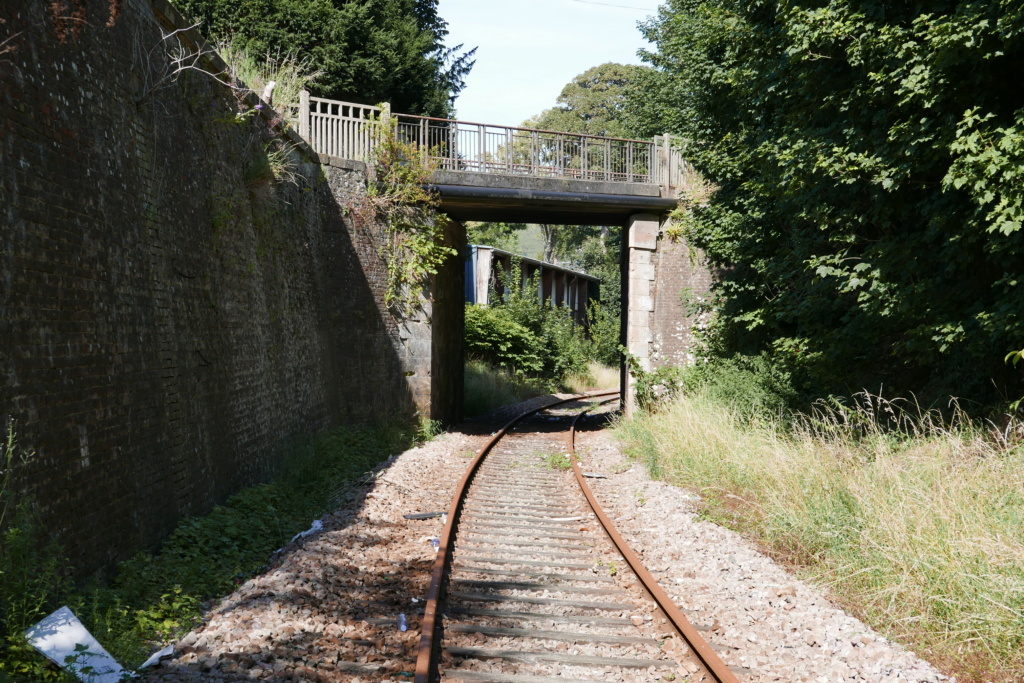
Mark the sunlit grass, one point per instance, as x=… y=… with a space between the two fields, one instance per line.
x=597 y=377
x=923 y=535
x=487 y=388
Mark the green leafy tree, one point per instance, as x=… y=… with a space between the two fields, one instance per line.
x=867 y=157
x=503 y=236
x=593 y=103
x=386 y=50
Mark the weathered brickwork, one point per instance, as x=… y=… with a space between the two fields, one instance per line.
x=170 y=316
x=681 y=276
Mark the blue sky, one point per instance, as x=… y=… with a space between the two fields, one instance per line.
x=529 y=49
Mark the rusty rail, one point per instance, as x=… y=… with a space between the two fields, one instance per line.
x=426 y=659
x=714 y=665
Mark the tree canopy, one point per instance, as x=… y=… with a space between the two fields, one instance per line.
x=593 y=103
x=868 y=157
x=381 y=51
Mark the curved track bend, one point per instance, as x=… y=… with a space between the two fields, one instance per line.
x=533 y=584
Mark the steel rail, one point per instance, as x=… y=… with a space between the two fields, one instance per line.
x=426 y=658
x=701 y=649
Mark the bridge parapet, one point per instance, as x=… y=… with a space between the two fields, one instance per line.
x=346 y=130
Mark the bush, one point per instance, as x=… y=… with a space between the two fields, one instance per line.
x=493 y=337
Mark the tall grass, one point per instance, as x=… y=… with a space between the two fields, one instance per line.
x=487 y=387
x=920 y=529
x=290 y=74
x=597 y=377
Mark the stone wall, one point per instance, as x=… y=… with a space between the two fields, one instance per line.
x=681 y=278
x=172 y=314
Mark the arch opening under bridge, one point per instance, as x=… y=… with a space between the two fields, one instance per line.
x=488 y=172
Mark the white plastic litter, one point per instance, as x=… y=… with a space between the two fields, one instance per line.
x=65 y=641
x=317 y=526
x=594 y=475
x=403 y=625
x=155 y=658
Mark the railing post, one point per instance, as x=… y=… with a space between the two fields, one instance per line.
x=534 y=154
x=585 y=146
x=629 y=162
x=482 y=138
x=509 y=140
x=304 y=115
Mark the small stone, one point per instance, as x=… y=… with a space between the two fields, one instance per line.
x=637 y=620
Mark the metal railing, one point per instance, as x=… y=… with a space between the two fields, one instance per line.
x=346 y=130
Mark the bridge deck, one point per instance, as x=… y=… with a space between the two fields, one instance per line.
x=487 y=172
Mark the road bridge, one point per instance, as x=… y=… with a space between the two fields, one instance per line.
x=487 y=172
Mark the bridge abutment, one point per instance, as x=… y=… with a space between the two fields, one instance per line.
x=641 y=244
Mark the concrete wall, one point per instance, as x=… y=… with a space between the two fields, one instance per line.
x=170 y=316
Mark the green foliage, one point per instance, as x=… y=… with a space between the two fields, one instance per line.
x=504 y=236
x=525 y=336
x=157 y=596
x=868 y=205
x=593 y=103
x=289 y=74
x=557 y=461
x=33 y=574
x=754 y=387
x=413 y=246
x=388 y=50
x=495 y=338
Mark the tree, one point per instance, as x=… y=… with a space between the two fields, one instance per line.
x=369 y=52
x=868 y=160
x=504 y=236
x=593 y=103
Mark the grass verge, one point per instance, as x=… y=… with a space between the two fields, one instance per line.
x=487 y=388
x=597 y=377
x=155 y=597
x=919 y=531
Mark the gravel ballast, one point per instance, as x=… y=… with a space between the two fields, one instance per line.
x=328 y=609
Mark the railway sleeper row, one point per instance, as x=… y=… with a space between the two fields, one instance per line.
x=537 y=592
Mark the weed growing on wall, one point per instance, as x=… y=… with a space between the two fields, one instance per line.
x=413 y=245
x=289 y=74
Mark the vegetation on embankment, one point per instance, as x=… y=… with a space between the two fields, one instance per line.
x=869 y=208
x=385 y=51
x=157 y=596
x=520 y=347
x=913 y=521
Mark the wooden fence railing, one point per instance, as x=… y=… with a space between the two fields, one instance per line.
x=346 y=130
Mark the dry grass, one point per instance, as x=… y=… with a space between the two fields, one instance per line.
x=597 y=377
x=921 y=535
x=486 y=388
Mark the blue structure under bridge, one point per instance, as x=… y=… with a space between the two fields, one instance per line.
x=556 y=284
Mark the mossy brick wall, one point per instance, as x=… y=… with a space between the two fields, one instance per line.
x=680 y=275
x=171 y=318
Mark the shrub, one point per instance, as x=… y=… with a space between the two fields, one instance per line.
x=492 y=336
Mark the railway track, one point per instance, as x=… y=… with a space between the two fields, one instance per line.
x=533 y=584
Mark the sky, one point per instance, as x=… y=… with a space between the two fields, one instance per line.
x=529 y=49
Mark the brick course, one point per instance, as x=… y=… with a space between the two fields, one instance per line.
x=168 y=322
